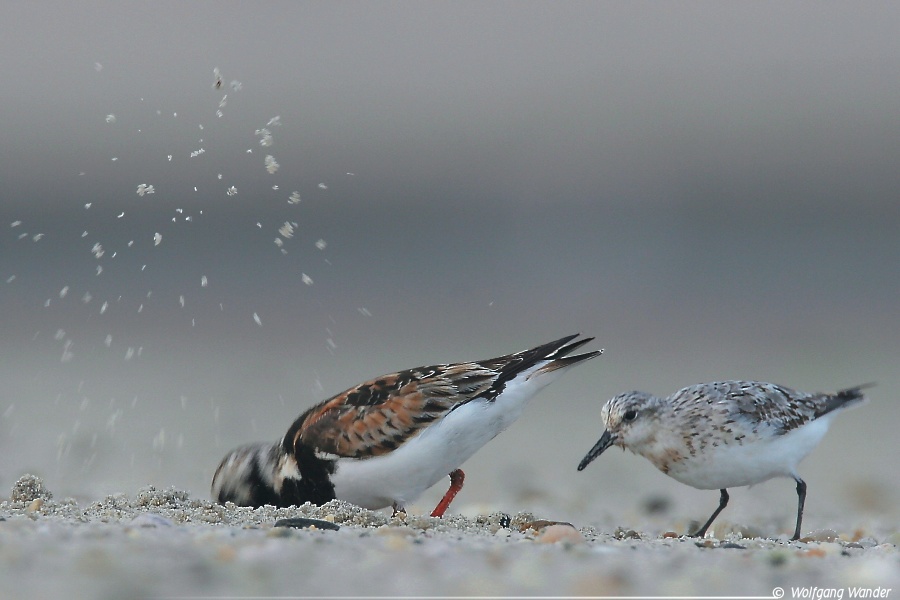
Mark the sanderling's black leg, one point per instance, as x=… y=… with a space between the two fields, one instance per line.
x=723 y=502
x=801 y=500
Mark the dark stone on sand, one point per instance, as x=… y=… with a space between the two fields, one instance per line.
x=303 y=523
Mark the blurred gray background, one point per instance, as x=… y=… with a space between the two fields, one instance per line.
x=709 y=189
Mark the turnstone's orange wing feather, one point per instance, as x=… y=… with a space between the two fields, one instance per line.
x=381 y=414
x=377 y=416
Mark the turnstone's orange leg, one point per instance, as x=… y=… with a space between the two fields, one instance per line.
x=456 y=483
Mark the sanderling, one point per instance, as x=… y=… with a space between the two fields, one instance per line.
x=385 y=441
x=723 y=434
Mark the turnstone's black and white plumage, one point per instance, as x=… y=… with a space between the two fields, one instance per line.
x=385 y=441
x=723 y=434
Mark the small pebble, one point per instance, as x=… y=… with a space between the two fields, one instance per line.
x=732 y=545
x=540 y=524
x=559 y=532
x=151 y=520
x=821 y=535
x=396 y=530
x=670 y=534
x=626 y=534
x=302 y=523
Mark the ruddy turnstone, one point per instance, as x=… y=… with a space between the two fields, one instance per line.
x=385 y=441
x=723 y=434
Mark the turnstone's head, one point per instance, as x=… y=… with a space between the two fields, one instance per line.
x=630 y=423
x=247 y=476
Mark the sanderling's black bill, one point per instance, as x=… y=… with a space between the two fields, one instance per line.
x=606 y=440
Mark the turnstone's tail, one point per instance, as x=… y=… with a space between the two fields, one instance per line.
x=546 y=358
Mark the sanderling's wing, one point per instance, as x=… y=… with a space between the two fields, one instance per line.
x=759 y=404
x=380 y=415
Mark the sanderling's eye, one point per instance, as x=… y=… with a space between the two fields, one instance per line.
x=630 y=415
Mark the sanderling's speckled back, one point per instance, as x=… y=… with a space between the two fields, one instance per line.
x=723 y=434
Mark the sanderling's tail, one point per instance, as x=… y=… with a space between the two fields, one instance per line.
x=846 y=398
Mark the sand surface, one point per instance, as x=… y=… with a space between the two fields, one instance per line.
x=163 y=543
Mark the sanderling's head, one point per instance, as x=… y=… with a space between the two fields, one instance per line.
x=248 y=476
x=629 y=423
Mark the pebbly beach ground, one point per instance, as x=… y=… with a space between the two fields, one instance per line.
x=165 y=544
